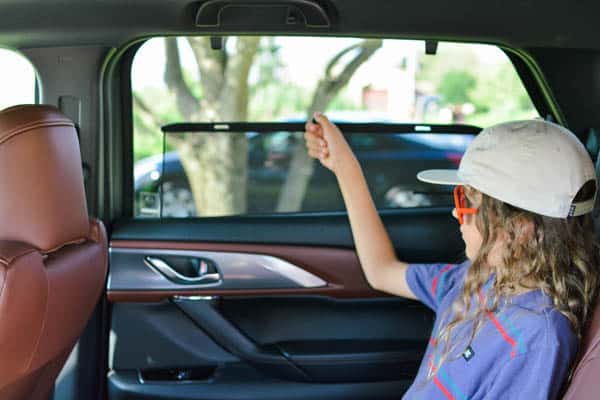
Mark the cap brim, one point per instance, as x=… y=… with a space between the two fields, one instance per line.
x=440 y=176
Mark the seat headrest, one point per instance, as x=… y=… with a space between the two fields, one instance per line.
x=42 y=197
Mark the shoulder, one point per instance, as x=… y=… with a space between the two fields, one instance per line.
x=513 y=379
x=439 y=277
x=559 y=331
x=538 y=324
x=446 y=271
x=431 y=283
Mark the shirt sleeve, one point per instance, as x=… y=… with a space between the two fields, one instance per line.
x=537 y=374
x=430 y=283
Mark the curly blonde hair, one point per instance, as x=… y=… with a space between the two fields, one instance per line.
x=559 y=256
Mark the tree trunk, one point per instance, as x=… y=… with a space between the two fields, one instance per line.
x=215 y=163
x=216 y=172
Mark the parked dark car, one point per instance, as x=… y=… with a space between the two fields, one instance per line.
x=390 y=163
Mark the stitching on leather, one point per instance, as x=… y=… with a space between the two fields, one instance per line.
x=10 y=260
x=32 y=125
x=94 y=234
x=60 y=246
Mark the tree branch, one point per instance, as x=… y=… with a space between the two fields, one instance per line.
x=149 y=118
x=301 y=165
x=186 y=101
x=143 y=107
x=329 y=86
x=338 y=57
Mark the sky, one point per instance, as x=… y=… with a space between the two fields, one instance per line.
x=17 y=80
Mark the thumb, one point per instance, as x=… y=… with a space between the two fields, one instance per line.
x=322 y=120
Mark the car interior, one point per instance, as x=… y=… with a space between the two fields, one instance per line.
x=116 y=283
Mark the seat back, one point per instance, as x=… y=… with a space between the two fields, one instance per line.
x=53 y=259
x=585 y=382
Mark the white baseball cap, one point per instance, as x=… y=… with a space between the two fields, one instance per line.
x=534 y=165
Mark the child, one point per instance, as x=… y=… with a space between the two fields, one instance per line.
x=508 y=319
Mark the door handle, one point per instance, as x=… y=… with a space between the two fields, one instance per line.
x=205 y=276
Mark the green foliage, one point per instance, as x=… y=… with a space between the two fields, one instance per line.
x=500 y=96
x=456 y=86
x=148 y=138
x=459 y=76
x=276 y=100
x=193 y=83
x=344 y=102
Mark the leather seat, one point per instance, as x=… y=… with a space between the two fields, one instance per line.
x=53 y=258
x=585 y=382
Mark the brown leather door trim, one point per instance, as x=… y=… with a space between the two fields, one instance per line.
x=339 y=267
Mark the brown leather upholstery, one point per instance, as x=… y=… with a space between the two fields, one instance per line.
x=52 y=257
x=585 y=384
x=43 y=200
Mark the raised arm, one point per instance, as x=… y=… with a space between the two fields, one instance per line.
x=377 y=257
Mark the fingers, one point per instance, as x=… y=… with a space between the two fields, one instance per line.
x=316 y=145
x=315 y=139
x=314 y=128
x=321 y=119
x=318 y=155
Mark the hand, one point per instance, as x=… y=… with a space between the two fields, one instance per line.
x=326 y=143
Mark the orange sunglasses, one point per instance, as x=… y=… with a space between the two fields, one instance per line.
x=460 y=204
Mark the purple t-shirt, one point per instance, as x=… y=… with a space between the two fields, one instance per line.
x=522 y=351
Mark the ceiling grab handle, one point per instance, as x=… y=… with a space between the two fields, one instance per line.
x=311 y=13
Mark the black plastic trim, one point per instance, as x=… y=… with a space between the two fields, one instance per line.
x=419 y=235
x=127 y=128
x=530 y=84
x=265 y=358
x=126 y=385
x=265 y=127
x=159 y=335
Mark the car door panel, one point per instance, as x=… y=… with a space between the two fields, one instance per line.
x=338 y=340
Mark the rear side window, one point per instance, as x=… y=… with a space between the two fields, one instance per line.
x=433 y=103
x=18 y=80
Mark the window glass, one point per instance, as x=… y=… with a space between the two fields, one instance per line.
x=284 y=79
x=17 y=80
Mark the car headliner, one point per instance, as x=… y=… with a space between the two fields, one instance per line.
x=561 y=37
x=518 y=23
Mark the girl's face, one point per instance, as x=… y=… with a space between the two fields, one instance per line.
x=470 y=234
